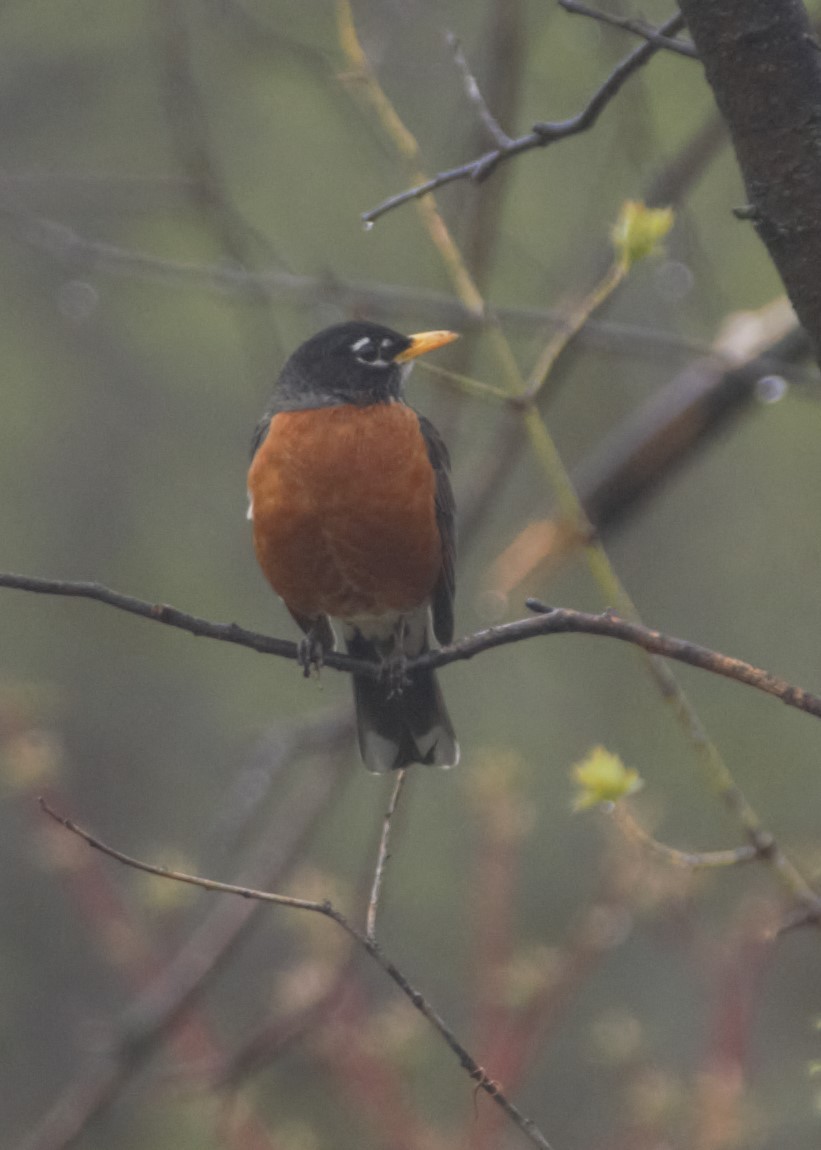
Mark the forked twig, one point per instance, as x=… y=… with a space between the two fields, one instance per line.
x=637 y=27
x=328 y=910
x=541 y=135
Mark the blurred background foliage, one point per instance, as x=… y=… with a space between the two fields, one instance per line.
x=181 y=190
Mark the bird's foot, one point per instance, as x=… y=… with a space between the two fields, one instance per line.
x=310 y=655
x=395 y=674
x=317 y=640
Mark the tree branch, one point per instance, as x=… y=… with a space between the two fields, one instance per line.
x=563 y=621
x=541 y=135
x=140 y=1026
x=75 y=251
x=372 y=948
x=765 y=74
x=637 y=27
x=549 y=621
x=474 y=94
x=382 y=854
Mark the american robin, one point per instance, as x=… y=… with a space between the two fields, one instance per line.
x=353 y=519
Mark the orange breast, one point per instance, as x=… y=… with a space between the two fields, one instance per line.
x=344 y=510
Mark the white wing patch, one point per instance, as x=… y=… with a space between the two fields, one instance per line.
x=249 y=514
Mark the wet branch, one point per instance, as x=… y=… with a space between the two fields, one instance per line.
x=327 y=910
x=542 y=134
x=547 y=621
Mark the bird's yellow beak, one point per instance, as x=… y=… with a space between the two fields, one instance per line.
x=425 y=341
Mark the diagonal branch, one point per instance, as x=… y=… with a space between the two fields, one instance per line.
x=637 y=27
x=474 y=94
x=541 y=135
x=174 y=990
x=369 y=945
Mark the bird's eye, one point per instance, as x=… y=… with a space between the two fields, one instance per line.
x=366 y=351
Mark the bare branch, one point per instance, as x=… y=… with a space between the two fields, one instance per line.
x=637 y=27
x=77 y=251
x=541 y=135
x=382 y=855
x=627 y=822
x=549 y=621
x=559 y=620
x=162 y=613
x=164 y=1001
x=327 y=910
x=648 y=446
x=474 y=94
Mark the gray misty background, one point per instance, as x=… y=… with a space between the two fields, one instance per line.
x=181 y=187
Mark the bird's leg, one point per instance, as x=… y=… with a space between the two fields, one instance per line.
x=318 y=639
x=394 y=668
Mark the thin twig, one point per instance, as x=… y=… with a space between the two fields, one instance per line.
x=327 y=910
x=637 y=27
x=541 y=135
x=74 y=250
x=382 y=855
x=549 y=621
x=718 y=775
x=167 y=997
x=474 y=94
x=629 y=825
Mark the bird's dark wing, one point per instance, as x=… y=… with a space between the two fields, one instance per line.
x=261 y=429
x=443 y=592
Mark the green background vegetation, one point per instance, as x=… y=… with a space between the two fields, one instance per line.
x=129 y=394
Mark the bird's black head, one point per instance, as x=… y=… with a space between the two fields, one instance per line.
x=360 y=363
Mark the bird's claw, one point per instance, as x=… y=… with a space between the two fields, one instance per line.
x=310 y=654
x=395 y=674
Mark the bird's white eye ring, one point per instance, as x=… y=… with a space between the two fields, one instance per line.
x=368 y=353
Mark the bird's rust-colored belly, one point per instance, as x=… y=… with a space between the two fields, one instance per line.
x=344 y=510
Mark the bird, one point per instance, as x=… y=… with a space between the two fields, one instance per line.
x=354 y=520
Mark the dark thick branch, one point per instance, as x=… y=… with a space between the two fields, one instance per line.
x=765 y=71
x=542 y=134
x=648 y=447
x=549 y=621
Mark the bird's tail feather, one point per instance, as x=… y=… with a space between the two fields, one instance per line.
x=400 y=727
